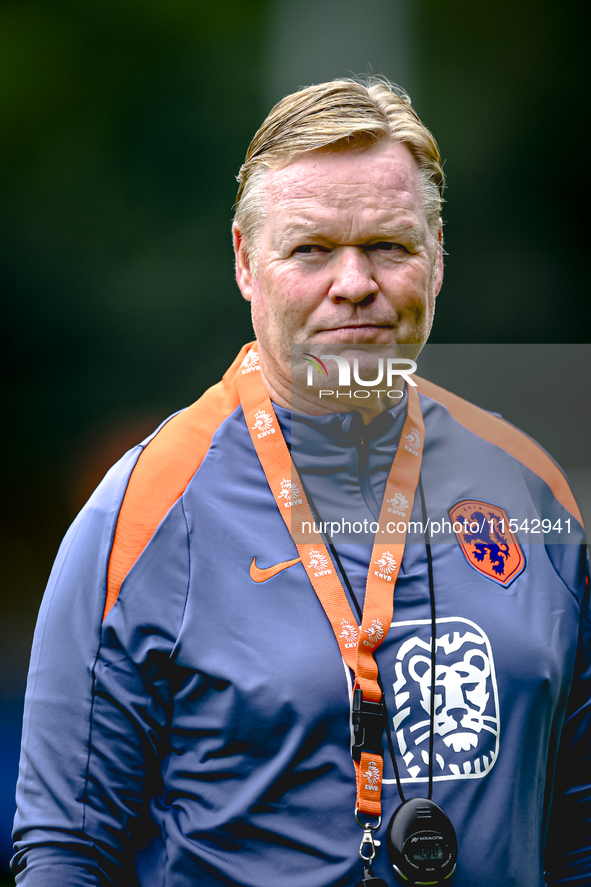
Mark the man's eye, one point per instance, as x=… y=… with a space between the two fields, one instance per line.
x=310 y=248
x=385 y=245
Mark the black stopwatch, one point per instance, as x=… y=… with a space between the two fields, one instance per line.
x=422 y=843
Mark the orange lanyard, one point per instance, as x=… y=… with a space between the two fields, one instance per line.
x=357 y=645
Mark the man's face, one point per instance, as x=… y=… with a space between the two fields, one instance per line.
x=345 y=254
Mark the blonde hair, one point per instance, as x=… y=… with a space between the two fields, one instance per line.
x=338 y=115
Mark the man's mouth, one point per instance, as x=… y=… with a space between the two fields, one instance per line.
x=361 y=326
x=356 y=332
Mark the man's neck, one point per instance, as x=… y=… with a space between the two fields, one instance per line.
x=301 y=399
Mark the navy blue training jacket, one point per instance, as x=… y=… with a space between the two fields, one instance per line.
x=186 y=725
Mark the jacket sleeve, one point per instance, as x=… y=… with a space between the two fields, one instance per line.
x=97 y=704
x=568 y=850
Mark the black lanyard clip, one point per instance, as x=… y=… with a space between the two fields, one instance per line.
x=367 y=726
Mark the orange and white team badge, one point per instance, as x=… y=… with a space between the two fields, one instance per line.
x=487 y=541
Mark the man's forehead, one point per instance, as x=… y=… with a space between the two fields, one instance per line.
x=390 y=165
x=379 y=187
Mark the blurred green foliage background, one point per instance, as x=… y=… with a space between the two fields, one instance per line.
x=122 y=126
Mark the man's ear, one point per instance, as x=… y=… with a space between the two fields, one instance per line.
x=244 y=277
x=439 y=271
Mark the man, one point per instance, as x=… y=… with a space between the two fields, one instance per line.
x=189 y=700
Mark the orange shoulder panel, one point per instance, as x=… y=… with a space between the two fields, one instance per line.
x=510 y=439
x=163 y=471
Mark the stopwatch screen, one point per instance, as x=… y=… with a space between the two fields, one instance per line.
x=432 y=851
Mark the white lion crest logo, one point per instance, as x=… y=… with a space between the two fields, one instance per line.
x=414 y=439
x=372 y=774
x=375 y=632
x=263 y=421
x=386 y=563
x=349 y=633
x=250 y=362
x=318 y=561
x=466 y=726
x=399 y=504
x=289 y=489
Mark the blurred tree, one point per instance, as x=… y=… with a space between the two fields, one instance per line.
x=504 y=89
x=122 y=127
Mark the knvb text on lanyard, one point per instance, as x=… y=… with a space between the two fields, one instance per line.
x=357 y=645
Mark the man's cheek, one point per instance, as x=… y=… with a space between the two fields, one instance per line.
x=292 y=311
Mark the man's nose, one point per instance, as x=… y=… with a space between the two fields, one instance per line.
x=352 y=276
